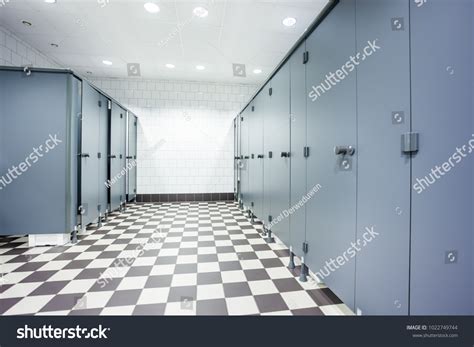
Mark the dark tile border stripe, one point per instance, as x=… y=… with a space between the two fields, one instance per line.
x=185 y=197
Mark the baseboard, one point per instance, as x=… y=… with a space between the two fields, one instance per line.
x=189 y=197
x=35 y=240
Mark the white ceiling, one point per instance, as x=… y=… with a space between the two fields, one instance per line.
x=249 y=32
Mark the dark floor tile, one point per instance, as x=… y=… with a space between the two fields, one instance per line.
x=256 y=275
x=188 y=251
x=108 y=254
x=105 y=284
x=179 y=294
x=287 y=285
x=77 y=264
x=207 y=258
x=324 y=296
x=62 y=302
x=124 y=298
x=139 y=271
x=236 y=289
x=49 y=288
x=67 y=256
x=209 y=278
x=206 y=243
x=38 y=276
x=240 y=242
x=262 y=247
x=160 y=281
x=88 y=312
x=312 y=311
x=149 y=310
x=6 y=304
x=230 y=265
x=268 y=263
x=247 y=256
x=31 y=266
x=90 y=273
x=166 y=260
x=185 y=268
x=216 y=307
x=270 y=303
x=225 y=249
x=282 y=252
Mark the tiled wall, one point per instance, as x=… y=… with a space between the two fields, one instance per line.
x=15 y=52
x=185 y=134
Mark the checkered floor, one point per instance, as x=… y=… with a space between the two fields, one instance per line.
x=201 y=258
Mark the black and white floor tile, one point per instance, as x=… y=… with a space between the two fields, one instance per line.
x=195 y=258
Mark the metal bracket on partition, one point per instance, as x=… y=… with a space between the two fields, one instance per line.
x=305 y=247
x=100 y=103
x=270 y=154
x=109 y=104
x=306 y=152
x=305 y=57
x=410 y=142
x=121 y=115
x=99 y=155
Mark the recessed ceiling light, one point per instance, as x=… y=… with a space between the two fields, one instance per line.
x=106 y=62
x=200 y=67
x=151 y=7
x=289 y=21
x=257 y=71
x=200 y=12
x=170 y=66
x=55 y=45
x=50 y=1
x=25 y=22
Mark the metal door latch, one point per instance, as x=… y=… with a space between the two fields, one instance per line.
x=344 y=150
x=285 y=154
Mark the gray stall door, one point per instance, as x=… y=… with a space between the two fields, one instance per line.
x=268 y=152
x=331 y=213
x=298 y=142
x=442 y=201
x=103 y=148
x=117 y=156
x=131 y=158
x=280 y=179
x=39 y=117
x=383 y=197
x=259 y=155
x=244 y=162
x=90 y=135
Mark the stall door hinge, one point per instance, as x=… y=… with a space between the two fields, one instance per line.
x=253 y=108
x=270 y=218
x=100 y=103
x=410 y=142
x=306 y=152
x=241 y=119
x=270 y=91
x=305 y=247
x=121 y=115
x=99 y=155
x=305 y=57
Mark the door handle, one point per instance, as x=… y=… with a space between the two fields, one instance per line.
x=129 y=157
x=285 y=154
x=112 y=156
x=344 y=150
x=260 y=156
x=84 y=155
